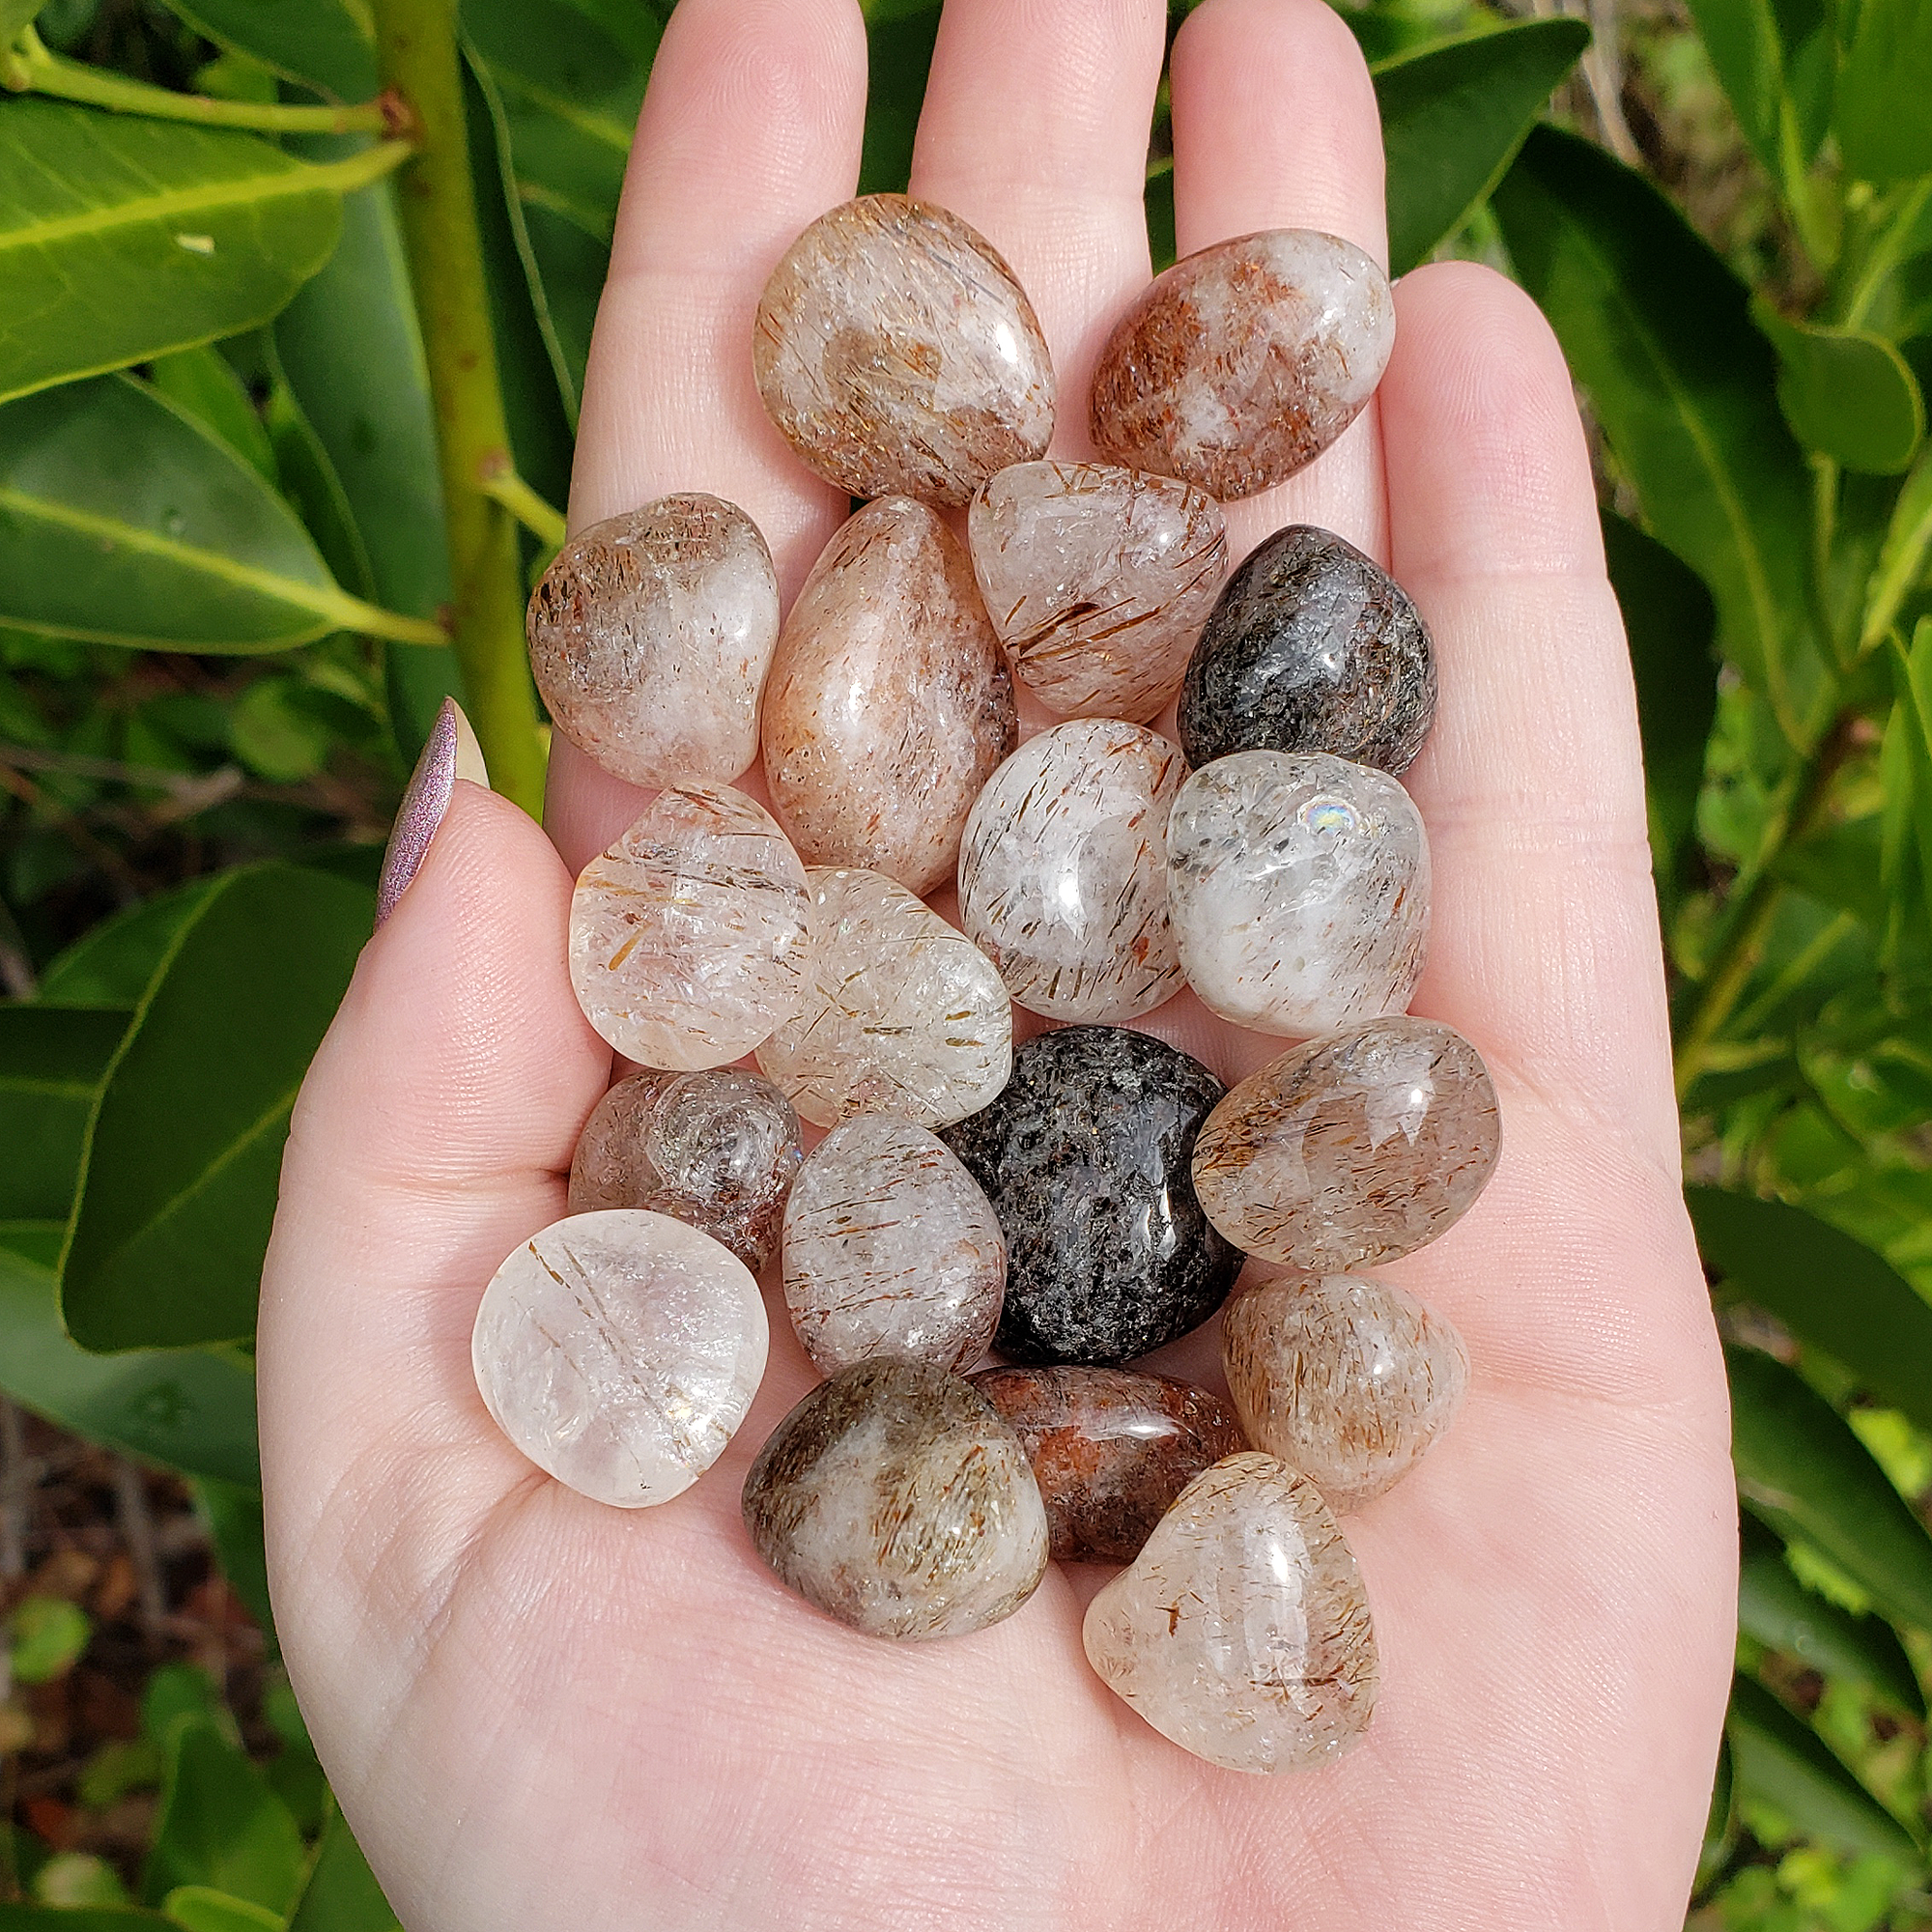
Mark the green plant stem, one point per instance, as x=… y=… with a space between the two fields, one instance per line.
x=542 y=520
x=28 y=66
x=416 y=43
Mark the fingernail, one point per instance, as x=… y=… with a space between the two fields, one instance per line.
x=452 y=752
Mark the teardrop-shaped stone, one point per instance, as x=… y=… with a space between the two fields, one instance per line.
x=1243 y=363
x=1345 y=1378
x=1241 y=1632
x=899 y=355
x=891 y=1249
x=890 y=702
x=1085 y=1158
x=1299 y=888
x=1352 y=1149
x=650 y=636
x=716 y=1148
x=895 y=1499
x=1062 y=871
x=619 y=1351
x=686 y=936
x=1311 y=647
x=1110 y=1449
x=903 y=1015
x=1097 y=579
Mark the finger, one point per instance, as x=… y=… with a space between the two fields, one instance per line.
x=1275 y=126
x=1034 y=130
x=749 y=131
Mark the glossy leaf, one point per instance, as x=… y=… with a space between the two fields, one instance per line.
x=52 y=1061
x=204 y=384
x=1885 y=131
x=192 y=1409
x=184 y=1149
x=1781 y=1760
x=1657 y=328
x=342 y=1894
x=200 y=1908
x=219 y=1825
x=326 y=44
x=122 y=238
x=1805 y=1471
x=1845 y=392
x=1826 y=1288
x=1453 y=118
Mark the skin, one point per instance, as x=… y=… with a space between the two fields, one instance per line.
x=541 y=1712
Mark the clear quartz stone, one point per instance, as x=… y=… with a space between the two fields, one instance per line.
x=902 y=1013
x=619 y=1351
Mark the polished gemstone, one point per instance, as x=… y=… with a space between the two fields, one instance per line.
x=717 y=1149
x=1242 y=363
x=1062 y=871
x=1097 y=579
x=1352 y=1149
x=1345 y=1378
x=1312 y=647
x=891 y=1249
x=1110 y=1449
x=903 y=1015
x=619 y=1351
x=650 y=636
x=899 y=355
x=890 y=702
x=1299 y=888
x=1085 y=1158
x=686 y=936
x=1241 y=1632
x=895 y=1499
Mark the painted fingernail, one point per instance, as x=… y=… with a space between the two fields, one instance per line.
x=452 y=752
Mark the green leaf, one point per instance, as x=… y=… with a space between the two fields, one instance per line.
x=184 y=1153
x=191 y=1409
x=110 y=964
x=1901 y=557
x=127 y=521
x=16 y=15
x=220 y=1826
x=1845 y=392
x=899 y=42
x=45 y=1636
x=232 y=1514
x=309 y=482
x=87 y=1919
x=1657 y=328
x=1884 y=129
x=79 y=1879
x=1912 y=718
x=342 y=1894
x=1717 y=1818
x=52 y=1061
x=120 y=1766
x=180 y=1693
x=326 y=44
x=200 y=1908
x=1773 y=63
x=1803 y=1470
x=1454 y=116
x=122 y=238
x=203 y=383
x=1828 y=1289
x=1776 y=1610
x=1783 y=1762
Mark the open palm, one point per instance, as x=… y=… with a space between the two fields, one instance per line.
x=542 y=1713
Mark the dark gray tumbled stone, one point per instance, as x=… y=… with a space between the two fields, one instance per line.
x=1087 y=1158
x=1311 y=647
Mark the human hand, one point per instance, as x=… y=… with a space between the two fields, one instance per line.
x=543 y=1713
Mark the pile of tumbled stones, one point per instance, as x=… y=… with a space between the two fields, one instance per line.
x=1089 y=1197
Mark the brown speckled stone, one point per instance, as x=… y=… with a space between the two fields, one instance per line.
x=1110 y=1449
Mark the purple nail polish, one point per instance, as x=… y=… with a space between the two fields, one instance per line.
x=421 y=810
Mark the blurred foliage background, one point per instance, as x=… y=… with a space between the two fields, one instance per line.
x=238 y=570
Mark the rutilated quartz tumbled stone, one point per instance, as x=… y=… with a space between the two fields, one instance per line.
x=1110 y=1449
x=1097 y=579
x=902 y=1013
x=1062 y=871
x=1311 y=647
x=890 y=702
x=1085 y=1158
x=1347 y=1378
x=686 y=936
x=716 y=1148
x=895 y=1499
x=619 y=1351
x=891 y=1249
x=1352 y=1149
x=1241 y=1632
x=1242 y=363
x=899 y=355
x=650 y=636
x=1298 y=885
